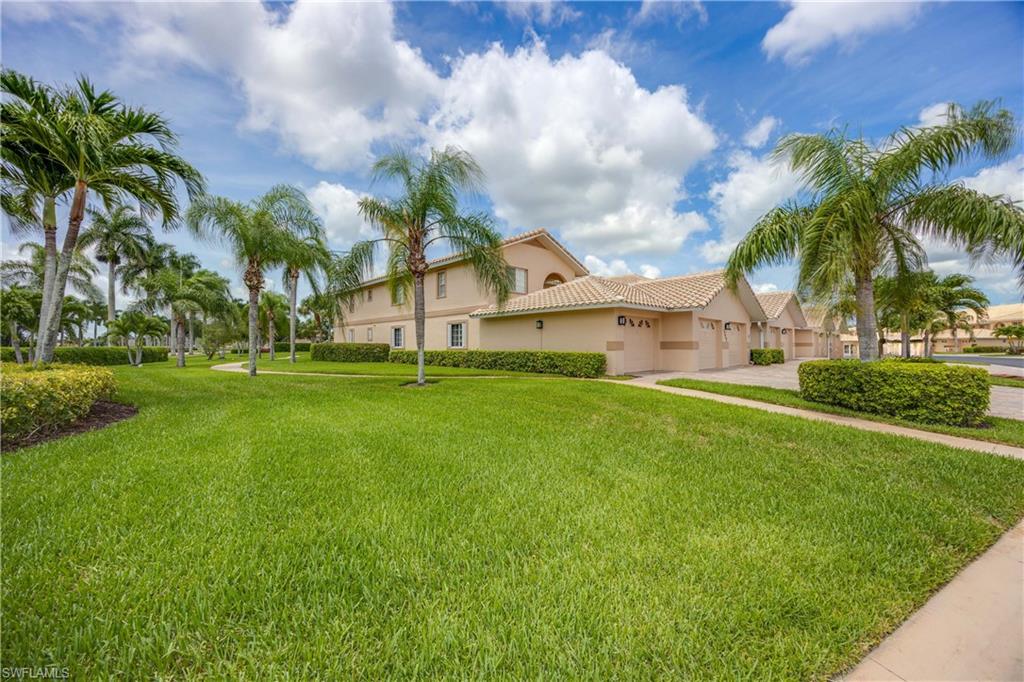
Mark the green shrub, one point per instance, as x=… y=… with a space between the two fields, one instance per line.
x=985 y=349
x=587 y=365
x=94 y=355
x=285 y=347
x=43 y=399
x=767 y=356
x=913 y=359
x=922 y=392
x=350 y=352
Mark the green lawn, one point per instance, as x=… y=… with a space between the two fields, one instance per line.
x=1007 y=381
x=306 y=527
x=997 y=430
x=304 y=364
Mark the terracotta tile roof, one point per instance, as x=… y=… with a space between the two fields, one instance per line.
x=815 y=315
x=666 y=293
x=774 y=302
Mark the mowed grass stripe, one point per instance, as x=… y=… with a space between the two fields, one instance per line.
x=290 y=526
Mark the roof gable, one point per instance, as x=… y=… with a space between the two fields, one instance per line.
x=776 y=302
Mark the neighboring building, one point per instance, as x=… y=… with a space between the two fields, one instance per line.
x=826 y=332
x=786 y=327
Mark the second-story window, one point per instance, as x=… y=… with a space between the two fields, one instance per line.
x=399 y=297
x=442 y=284
x=369 y=295
x=518 y=280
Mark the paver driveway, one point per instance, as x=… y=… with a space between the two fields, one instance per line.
x=1006 y=402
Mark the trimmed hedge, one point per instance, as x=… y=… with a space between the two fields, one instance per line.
x=94 y=355
x=286 y=347
x=914 y=358
x=46 y=398
x=985 y=349
x=585 y=365
x=921 y=392
x=767 y=356
x=350 y=352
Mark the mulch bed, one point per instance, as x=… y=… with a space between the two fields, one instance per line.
x=103 y=413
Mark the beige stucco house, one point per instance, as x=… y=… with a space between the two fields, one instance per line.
x=686 y=323
x=786 y=327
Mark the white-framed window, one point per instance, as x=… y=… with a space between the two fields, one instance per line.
x=456 y=334
x=398 y=337
x=369 y=334
x=398 y=298
x=442 y=284
x=518 y=280
x=351 y=335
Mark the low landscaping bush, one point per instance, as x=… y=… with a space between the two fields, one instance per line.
x=921 y=392
x=914 y=358
x=350 y=352
x=93 y=355
x=585 y=365
x=45 y=398
x=985 y=349
x=285 y=347
x=767 y=356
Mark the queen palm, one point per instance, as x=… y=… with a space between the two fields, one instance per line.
x=425 y=213
x=118 y=235
x=867 y=207
x=307 y=256
x=259 y=234
x=116 y=151
x=203 y=291
x=30 y=272
x=955 y=294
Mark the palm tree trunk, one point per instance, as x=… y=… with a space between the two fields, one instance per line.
x=49 y=269
x=293 y=310
x=191 y=332
x=271 y=334
x=111 y=293
x=16 y=343
x=180 y=324
x=419 y=309
x=952 y=332
x=63 y=265
x=905 y=335
x=867 y=329
x=254 y=323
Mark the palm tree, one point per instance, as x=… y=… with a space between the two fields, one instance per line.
x=260 y=235
x=18 y=313
x=954 y=294
x=134 y=324
x=903 y=301
x=868 y=206
x=114 y=150
x=307 y=256
x=426 y=213
x=118 y=236
x=204 y=291
x=30 y=272
x=273 y=306
x=321 y=306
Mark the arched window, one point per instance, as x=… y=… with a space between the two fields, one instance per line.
x=553 y=280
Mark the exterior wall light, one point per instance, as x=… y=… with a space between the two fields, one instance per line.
x=622 y=320
x=785 y=331
x=540 y=324
x=728 y=326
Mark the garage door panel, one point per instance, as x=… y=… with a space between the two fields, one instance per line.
x=707 y=351
x=640 y=340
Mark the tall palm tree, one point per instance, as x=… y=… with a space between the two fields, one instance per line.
x=953 y=295
x=116 y=151
x=273 y=306
x=308 y=256
x=426 y=213
x=118 y=235
x=868 y=206
x=260 y=235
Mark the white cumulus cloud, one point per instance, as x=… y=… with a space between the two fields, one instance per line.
x=578 y=144
x=759 y=134
x=338 y=206
x=617 y=267
x=754 y=186
x=1006 y=179
x=933 y=115
x=765 y=288
x=812 y=26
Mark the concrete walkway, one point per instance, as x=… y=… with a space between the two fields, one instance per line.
x=649 y=381
x=1006 y=402
x=972 y=629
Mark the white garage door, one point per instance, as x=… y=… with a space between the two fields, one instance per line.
x=706 y=334
x=640 y=337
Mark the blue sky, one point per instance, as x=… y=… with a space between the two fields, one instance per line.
x=638 y=133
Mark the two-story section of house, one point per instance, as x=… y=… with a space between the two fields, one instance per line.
x=536 y=260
